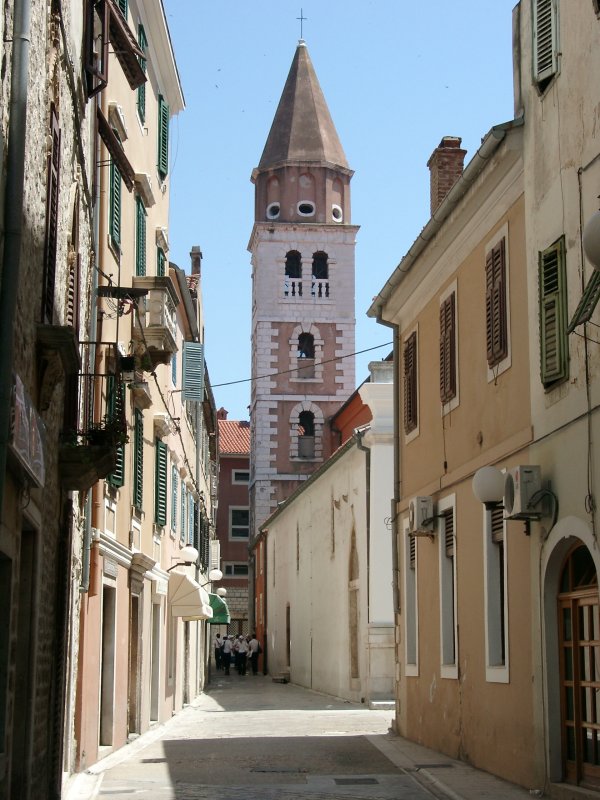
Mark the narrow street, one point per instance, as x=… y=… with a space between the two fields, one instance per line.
x=248 y=738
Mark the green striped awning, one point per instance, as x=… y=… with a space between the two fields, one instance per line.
x=221 y=614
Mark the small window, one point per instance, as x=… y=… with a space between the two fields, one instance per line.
x=554 y=342
x=337 y=213
x=410 y=384
x=495 y=304
x=141 y=91
x=306 y=434
x=138 y=460
x=161 y=261
x=545 y=42
x=238 y=570
x=160 y=486
x=240 y=476
x=114 y=206
x=306 y=209
x=320 y=266
x=273 y=210
x=239 y=523
x=448 y=349
x=163 y=137
x=140 y=237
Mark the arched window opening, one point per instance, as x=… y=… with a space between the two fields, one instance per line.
x=306 y=356
x=320 y=275
x=306 y=434
x=293 y=274
x=306 y=345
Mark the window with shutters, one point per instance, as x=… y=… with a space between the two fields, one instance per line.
x=141 y=90
x=114 y=205
x=554 y=342
x=97 y=39
x=174 y=369
x=138 y=459
x=587 y=305
x=52 y=195
x=292 y=284
x=174 y=498
x=160 y=484
x=163 y=137
x=122 y=4
x=161 y=261
x=495 y=595
x=496 y=321
x=183 y=515
x=193 y=372
x=447 y=577
x=192 y=533
x=545 y=42
x=448 y=350
x=410 y=383
x=411 y=638
x=140 y=236
x=115 y=396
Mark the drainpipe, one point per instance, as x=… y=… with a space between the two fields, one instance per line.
x=360 y=434
x=13 y=220
x=90 y=506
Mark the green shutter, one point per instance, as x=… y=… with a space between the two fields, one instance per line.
x=587 y=304
x=114 y=212
x=138 y=459
x=554 y=344
x=141 y=91
x=160 y=262
x=163 y=137
x=193 y=372
x=160 y=486
x=140 y=237
x=545 y=40
x=123 y=7
x=183 y=514
x=115 y=396
x=174 y=487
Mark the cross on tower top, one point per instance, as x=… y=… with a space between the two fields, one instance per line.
x=301 y=18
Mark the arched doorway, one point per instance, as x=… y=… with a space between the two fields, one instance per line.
x=579 y=649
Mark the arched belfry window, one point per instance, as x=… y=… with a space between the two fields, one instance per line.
x=320 y=274
x=293 y=274
x=306 y=429
x=306 y=434
x=306 y=345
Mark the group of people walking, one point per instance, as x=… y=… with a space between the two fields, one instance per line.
x=240 y=649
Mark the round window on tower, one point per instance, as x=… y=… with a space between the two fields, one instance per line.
x=273 y=210
x=337 y=213
x=306 y=208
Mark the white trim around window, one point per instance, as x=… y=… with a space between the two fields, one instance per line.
x=447 y=589
x=411 y=604
x=238 y=526
x=495 y=580
x=240 y=481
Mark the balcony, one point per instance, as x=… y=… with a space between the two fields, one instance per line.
x=320 y=288
x=156 y=331
x=91 y=443
x=292 y=288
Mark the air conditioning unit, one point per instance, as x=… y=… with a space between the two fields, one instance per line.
x=520 y=484
x=420 y=515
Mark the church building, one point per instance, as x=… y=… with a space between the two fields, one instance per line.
x=303 y=323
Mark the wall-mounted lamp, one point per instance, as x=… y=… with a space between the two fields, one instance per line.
x=488 y=487
x=128 y=368
x=215 y=575
x=591 y=240
x=188 y=555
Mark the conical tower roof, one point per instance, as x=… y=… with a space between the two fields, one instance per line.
x=302 y=130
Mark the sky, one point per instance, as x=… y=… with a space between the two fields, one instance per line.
x=397 y=77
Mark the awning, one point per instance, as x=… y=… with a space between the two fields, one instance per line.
x=187 y=598
x=220 y=611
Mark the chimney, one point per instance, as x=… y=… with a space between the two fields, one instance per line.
x=446 y=166
x=196 y=258
x=222 y=413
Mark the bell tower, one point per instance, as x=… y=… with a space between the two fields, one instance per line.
x=302 y=247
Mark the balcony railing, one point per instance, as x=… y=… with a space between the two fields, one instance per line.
x=156 y=327
x=292 y=288
x=319 y=288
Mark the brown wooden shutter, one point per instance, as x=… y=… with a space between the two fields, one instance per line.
x=497 y=525
x=495 y=304
x=448 y=349
x=449 y=532
x=51 y=220
x=410 y=383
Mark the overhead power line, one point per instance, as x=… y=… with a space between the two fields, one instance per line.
x=296 y=369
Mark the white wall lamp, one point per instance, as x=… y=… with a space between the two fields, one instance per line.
x=216 y=575
x=518 y=492
x=188 y=556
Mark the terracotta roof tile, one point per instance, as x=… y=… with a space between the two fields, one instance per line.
x=234 y=436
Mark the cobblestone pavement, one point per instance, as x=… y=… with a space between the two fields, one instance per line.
x=248 y=738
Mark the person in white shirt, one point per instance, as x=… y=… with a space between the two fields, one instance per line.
x=226 y=654
x=242 y=655
x=254 y=652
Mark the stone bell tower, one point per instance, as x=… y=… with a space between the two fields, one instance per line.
x=302 y=247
